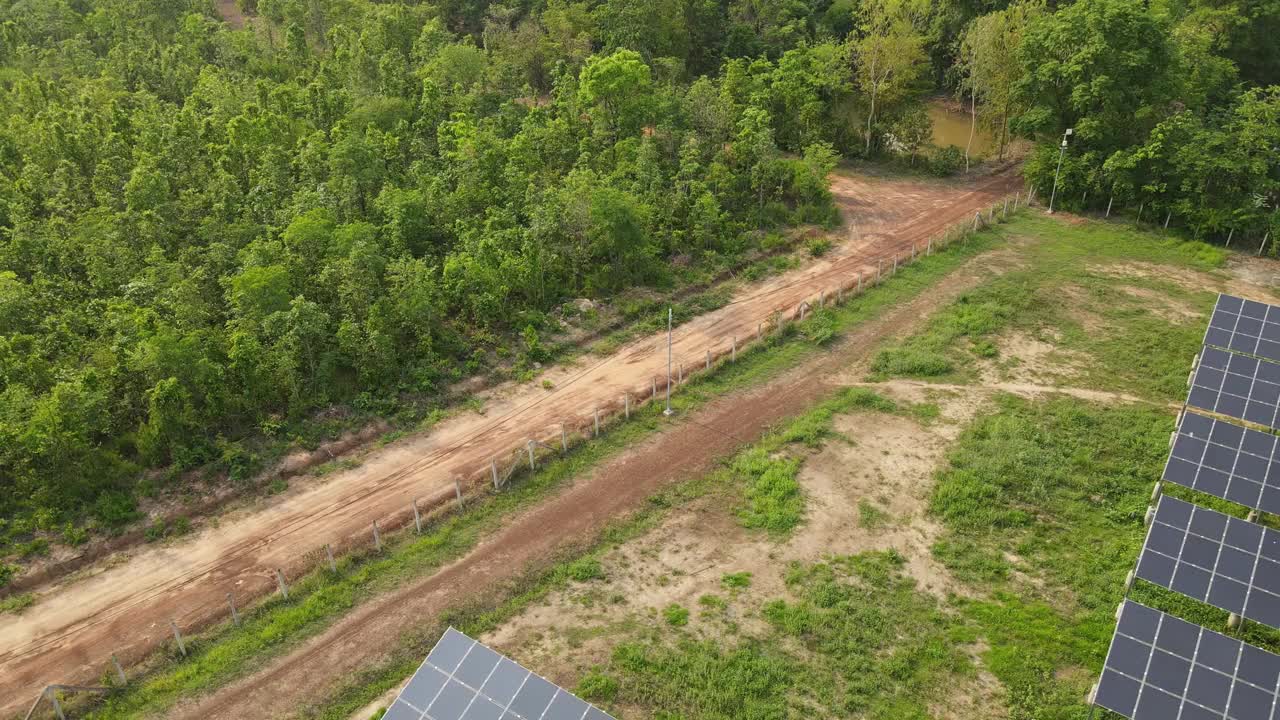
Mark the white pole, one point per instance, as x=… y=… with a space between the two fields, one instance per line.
x=668 y=410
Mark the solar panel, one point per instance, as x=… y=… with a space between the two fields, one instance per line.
x=1226 y=461
x=1237 y=386
x=1245 y=326
x=464 y=680
x=1163 y=668
x=1214 y=558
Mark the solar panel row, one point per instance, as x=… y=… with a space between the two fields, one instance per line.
x=1237 y=386
x=1214 y=558
x=1163 y=668
x=464 y=680
x=1245 y=326
x=1226 y=461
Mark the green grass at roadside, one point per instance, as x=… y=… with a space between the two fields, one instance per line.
x=274 y=626
x=1075 y=287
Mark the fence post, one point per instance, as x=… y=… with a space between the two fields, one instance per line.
x=177 y=635
x=928 y=248
x=1166 y=219
x=1139 y=220
x=758 y=328
x=1084 y=200
x=596 y=414
x=457 y=492
x=1006 y=208
x=801 y=308
x=977 y=218
x=708 y=359
x=1109 y=201
x=733 y=357
x=53 y=700
x=235 y=614
x=328 y=549
x=879 y=264
x=859 y=282
x=493 y=474
x=1016 y=198
x=822 y=298
x=626 y=404
x=564 y=433
x=1263 y=246
x=284 y=587
x=120 y=671
x=1229 y=234
x=681 y=379
x=895 y=262
x=417 y=516
x=377 y=537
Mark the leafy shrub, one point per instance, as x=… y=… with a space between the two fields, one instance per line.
x=114 y=509
x=820 y=328
x=676 y=615
x=8 y=573
x=945 y=161
x=736 y=580
x=819 y=246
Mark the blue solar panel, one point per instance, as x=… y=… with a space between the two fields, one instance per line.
x=464 y=680
x=1245 y=326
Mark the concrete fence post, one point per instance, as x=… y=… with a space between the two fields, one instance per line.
x=284 y=587
x=977 y=218
x=1006 y=208
x=759 y=327
x=177 y=637
x=895 y=263
x=708 y=359
x=1166 y=219
x=119 y=670
x=1016 y=198
x=928 y=249
x=328 y=549
x=626 y=405
x=564 y=433
x=822 y=298
x=377 y=536
x=1139 y=220
x=1229 y=234
x=859 y=282
x=457 y=492
x=235 y=614
x=680 y=380
x=1263 y=246
x=493 y=474
x=57 y=706
x=1109 y=201
x=532 y=466
x=879 y=265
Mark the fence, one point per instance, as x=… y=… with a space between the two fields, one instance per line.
x=559 y=439
x=1162 y=216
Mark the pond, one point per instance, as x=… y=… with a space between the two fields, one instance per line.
x=951 y=127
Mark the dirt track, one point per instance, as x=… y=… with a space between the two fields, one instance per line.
x=68 y=636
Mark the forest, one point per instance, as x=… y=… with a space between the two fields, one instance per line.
x=215 y=225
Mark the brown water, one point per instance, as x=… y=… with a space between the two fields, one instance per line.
x=952 y=128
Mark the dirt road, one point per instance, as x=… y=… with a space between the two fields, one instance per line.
x=70 y=633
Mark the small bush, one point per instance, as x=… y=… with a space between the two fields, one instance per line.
x=736 y=580
x=17 y=603
x=675 y=615
x=820 y=328
x=945 y=161
x=985 y=349
x=8 y=573
x=819 y=246
x=114 y=509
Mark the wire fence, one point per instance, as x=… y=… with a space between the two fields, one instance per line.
x=541 y=444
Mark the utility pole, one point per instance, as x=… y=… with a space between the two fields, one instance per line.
x=1062 y=150
x=668 y=410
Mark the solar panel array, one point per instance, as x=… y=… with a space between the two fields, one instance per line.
x=464 y=680
x=1245 y=326
x=1237 y=386
x=1163 y=668
x=1227 y=461
x=1158 y=666
x=1227 y=562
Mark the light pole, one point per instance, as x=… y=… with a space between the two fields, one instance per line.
x=1062 y=150
x=668 y=410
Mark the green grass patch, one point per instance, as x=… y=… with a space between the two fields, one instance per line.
x=871 y=646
